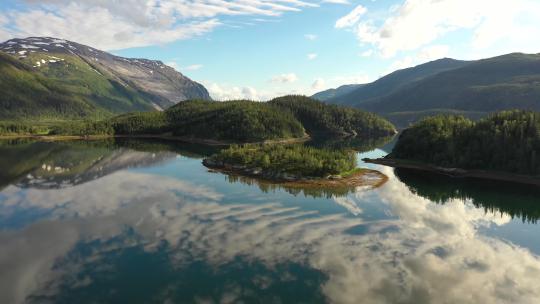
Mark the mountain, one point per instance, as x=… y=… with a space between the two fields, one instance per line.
x=473 y=89
x=43 y=76
x=494 y=84
x=334 y=93
x=395 y=81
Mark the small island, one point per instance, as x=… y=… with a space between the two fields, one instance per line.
x=503 y=146
x=295 y=166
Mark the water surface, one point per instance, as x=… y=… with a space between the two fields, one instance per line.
x=145 y=222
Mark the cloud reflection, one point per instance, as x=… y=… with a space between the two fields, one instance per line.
x=428 y=253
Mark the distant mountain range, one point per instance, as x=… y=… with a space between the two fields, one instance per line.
x=472 y=88
x=43 y=76
x=334 y=93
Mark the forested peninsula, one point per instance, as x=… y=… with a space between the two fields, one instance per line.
x=238 y=121
x=503 y=146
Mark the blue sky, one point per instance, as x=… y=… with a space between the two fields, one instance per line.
x=264 y=48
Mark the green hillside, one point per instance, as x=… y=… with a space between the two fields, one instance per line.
x=67 y=88
x=29 y=94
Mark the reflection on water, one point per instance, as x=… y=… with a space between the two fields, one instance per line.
x=355 y=143
x=268 y=187
x=65 y=164
x=169 y=231
x=521 y=201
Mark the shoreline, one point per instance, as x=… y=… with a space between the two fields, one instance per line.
x=361 y=177
x=208 y=142
x=457 y=172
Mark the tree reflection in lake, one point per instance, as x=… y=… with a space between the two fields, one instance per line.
x=315 y=191
x=521 y=201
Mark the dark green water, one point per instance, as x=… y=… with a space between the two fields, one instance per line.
x=145 y=222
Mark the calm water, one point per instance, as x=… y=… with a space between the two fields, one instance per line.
x=145 y=222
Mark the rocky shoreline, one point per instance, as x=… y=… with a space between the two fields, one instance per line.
x=360 y=177
x=457 y=172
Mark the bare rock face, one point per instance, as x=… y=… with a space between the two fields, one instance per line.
x=163 y=85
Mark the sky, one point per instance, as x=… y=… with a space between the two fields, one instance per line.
x=259 y=49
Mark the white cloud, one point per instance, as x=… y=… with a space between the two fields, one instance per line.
x=311 y=56
x=250 y=93
x=433 y=52
x=4 y=34
x=318 y=84
x=417 y=23
x=285 y=78
x=224 y=92
x=426 y=54
x=310 y=37
x=193 y=67
x=367 y=53
x=351 y=79
x=112 y=25
x=351 y=18
x=337 y=1
x=176 y=66
x=173 y=65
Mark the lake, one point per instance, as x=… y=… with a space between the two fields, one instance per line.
x=144 y=222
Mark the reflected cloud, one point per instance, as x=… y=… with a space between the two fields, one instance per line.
x=430 y=253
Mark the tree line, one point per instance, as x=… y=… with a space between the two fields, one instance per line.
x=506 y=141
x=298 y=160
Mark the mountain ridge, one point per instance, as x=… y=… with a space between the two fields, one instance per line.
x=397 y=80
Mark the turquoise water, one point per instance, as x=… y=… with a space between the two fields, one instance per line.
x=145 y=222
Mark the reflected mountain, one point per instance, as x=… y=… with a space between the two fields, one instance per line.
x=516 y=200
x=54 y=165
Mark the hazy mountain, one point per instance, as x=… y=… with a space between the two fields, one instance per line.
x=47 y=76
x=504 y=82
x=333 y=93
x=395 y=81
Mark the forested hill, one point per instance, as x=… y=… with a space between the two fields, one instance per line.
x=321 y=119
x=508 y=141
x=474 y=89
x=242 y=121
x=48 y=77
